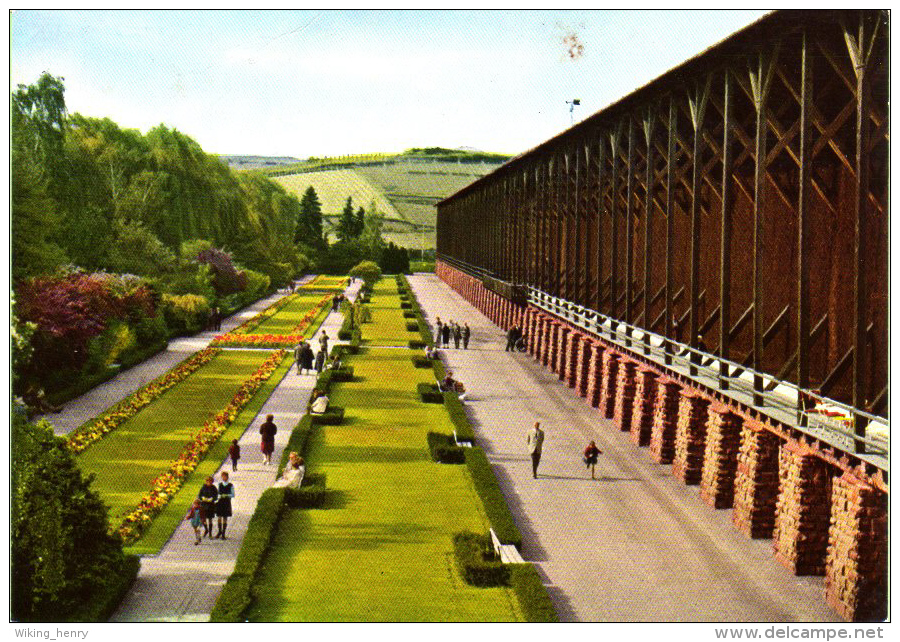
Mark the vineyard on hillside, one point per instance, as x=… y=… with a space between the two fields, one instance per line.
x=404 y=189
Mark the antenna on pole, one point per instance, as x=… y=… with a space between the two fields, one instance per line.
x=572 y=103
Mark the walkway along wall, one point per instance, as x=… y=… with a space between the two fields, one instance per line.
x=826 y=513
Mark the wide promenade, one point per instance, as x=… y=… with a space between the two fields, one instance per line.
x=633 y=545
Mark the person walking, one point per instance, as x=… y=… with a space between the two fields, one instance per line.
x=298 y=357
x=217 y=317
x=590 y=456
x=320 y=361
x=457 y=335
x=511 y=339
x=323 y=342
x=307 y=358
x=223 y=504
x=208 y=496
x=268 y=431
x=445 y=334
x=439 y=334
x=195 y=517
x=535 y=447
x=234 y=451
x=466 y=334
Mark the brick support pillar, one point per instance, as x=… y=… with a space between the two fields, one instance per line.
x=562 y=345
x=625 y=388
x=532 y=331
x=577 y=369
x=665 y=421
x=595 y=375
x=644 y=405
x=549 y=343
x=690 y=437
x=573 y=357
x=756 y=482
x=856 y=565
x=803 y=511
x=539 y=338
x=723 y=441
x=583 y=366
x=608 y=386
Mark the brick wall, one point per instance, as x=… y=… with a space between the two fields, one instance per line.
x=644 y=406
x=690 y=437
x=723 y=441
x=665 y=421
x=625 y=388
x=756 y=482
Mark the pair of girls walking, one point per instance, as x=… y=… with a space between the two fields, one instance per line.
x=212 y=502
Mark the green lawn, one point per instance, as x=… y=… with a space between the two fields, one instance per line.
x=326 y=282
x=287 y=318
x=388 y=327
x=126 y=461
x=382 y=549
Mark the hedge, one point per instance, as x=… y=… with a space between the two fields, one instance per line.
x=344 y=373
x=476 y=561
x=297 y=442
x=236 y=594
x=416 y=344
x=532 y=594
x=405 y=305
x=421 y=361
x=311 y=493
x=430 y=393
x=409 y=314
x=444 y=450
x=461 y=424
x=494 y=503
x=331 y=417
x=412 y=326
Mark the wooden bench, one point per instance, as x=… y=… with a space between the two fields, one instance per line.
x=508 y=553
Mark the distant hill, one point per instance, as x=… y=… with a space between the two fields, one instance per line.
x=236 y=161
x=405 y=187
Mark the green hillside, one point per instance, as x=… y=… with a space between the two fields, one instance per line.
x=405 y=188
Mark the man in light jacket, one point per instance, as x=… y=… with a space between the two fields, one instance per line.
x=535 y=446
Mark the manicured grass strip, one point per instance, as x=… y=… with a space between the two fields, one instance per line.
x=382 y=549
x=168 y=483
x=159 y=532
x=127 y=460
x=95 y=429
x=388 y=326
x=285 y=329
x=326 y=283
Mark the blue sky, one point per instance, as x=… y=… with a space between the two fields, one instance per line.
x=301 y=83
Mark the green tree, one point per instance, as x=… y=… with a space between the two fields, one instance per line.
x=368 y=271
x=309 y=221
x=346 y=227
x=138 y=251
x=65 y=563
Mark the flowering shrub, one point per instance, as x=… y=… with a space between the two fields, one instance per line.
x=95 y=429
x=70 y=310
x=164 y=486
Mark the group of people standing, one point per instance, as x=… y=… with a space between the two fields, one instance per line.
x=308 y=360
x=450 y=330
x=214 y=321
x=213 y=502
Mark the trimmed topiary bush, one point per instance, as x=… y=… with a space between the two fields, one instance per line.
x=532 y=594
x=416 y=344
x=444 y=450
x=405 y=305
x=331 y=417
x=409 y=314
x=430 y=393
x=476 y=561
x=494 y=503
x=421 y=361
x=297 y=442
x=344 y=373
x=311 y=494
x=412 y=326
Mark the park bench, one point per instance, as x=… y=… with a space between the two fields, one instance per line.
x=508 y=553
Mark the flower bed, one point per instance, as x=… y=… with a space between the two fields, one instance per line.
x=164 y=486
x=90 y=432
x=243 y=339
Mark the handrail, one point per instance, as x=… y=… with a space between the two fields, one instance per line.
x=623 y=335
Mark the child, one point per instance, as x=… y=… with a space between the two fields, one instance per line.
x=194 y=516
x=234 y=451
x=590 y=456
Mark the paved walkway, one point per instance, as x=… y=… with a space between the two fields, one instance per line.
x=634 y=545
x=182 y=582
x=98 y=399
